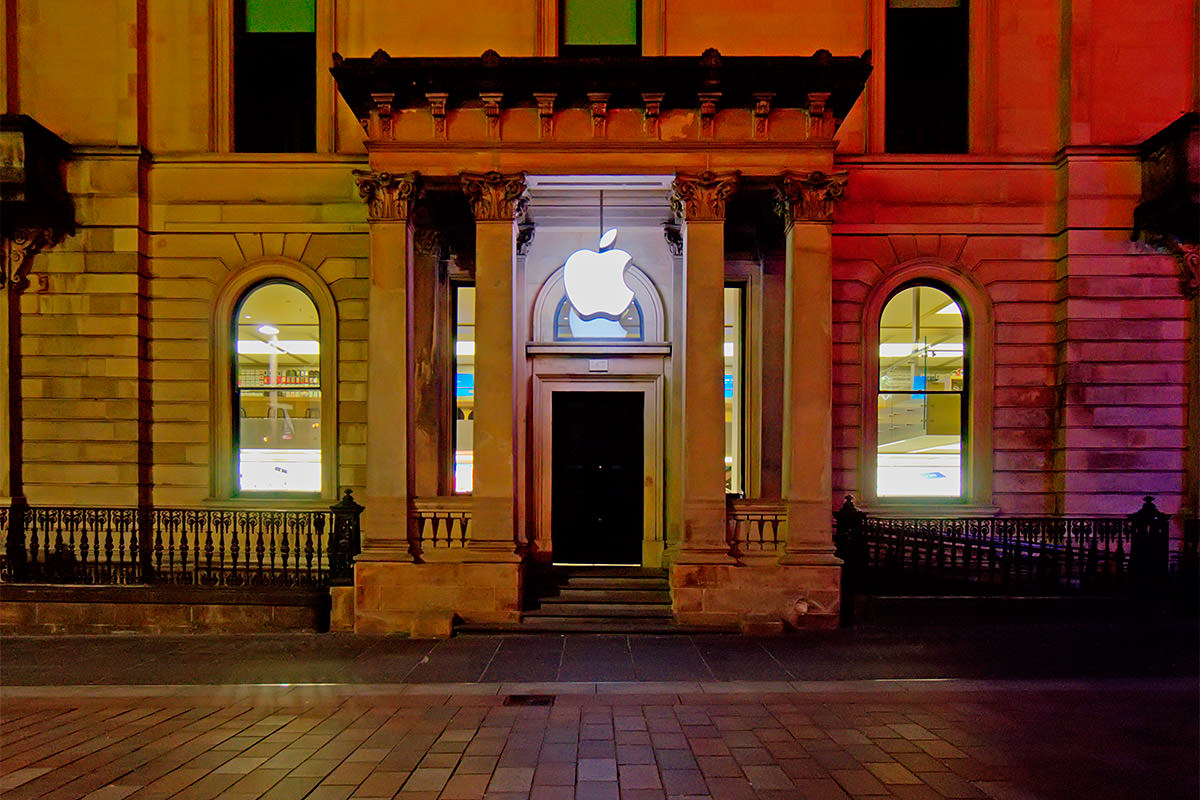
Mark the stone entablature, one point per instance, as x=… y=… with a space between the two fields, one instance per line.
x=639 y=98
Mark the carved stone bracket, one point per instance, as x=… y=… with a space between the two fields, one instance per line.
x=599 y=104
x=653 y=103
x=19 y=249
x=493 y=195
x=762 y=114
x=708 y=110
x=703 y=196
x=817 y=113
x=545 y=104
x=389 y=196
x=808 y=197
x=437 y=107
x=491 y=109
x=381 y=114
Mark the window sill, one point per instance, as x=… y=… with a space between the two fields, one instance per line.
x=925 y=509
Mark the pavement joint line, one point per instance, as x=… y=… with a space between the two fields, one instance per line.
x=601 y=689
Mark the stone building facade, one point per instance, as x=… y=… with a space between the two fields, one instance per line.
x=777 y=179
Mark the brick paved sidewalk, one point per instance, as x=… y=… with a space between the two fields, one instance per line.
x=916 y=740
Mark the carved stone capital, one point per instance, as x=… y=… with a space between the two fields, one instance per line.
x=390 y=197
x=808 y=197
x=703 y=196
x=494 y=196
x=19 y=249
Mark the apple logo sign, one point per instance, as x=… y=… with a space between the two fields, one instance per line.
x=595 y=281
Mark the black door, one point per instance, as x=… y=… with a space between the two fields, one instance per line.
x=596 y=478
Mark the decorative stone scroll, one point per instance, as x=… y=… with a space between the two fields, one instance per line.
x=703 y=196
x=437 y=108
x=19 y=249
x=1187 y=256
x=389 y=196
x=808 y=197
x=493 y=195
x=653 y=104
x=762 y=114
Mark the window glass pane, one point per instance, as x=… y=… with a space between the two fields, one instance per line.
x=278 y=391
x=599 y=22
x=926 y=56
x=734 y=356
x=464 y=386
x=921 y=389
x=281 y=16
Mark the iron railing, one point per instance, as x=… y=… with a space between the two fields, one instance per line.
x=1003 y=554
x=183 y=546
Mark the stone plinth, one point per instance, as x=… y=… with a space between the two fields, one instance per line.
x=756 y=598
x=424 y=599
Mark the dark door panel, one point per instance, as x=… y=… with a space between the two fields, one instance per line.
x=596 y=480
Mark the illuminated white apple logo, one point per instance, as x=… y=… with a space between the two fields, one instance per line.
x=595 y=281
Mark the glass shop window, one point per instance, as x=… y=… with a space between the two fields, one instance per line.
x=278 y=390
x=596 y=27
x=734 y=346
x=926 y=62
x=922 y=395
x=464 y=387
x=274 y=76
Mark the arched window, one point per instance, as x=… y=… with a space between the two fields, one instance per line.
x=277 y=392
x=928 y=387
x=274 y=415
x=922 y=397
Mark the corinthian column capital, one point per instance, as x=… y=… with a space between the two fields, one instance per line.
x=390 y=196
x=702 y=196
x=494 y=196
x=808 y=196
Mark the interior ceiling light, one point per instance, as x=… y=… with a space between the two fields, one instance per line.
x=464 y=348
x=950 y=308
x=268 y=330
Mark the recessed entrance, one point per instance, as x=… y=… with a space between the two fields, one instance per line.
x=596 y=478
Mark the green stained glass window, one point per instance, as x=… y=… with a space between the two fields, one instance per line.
x=599 y=23
x=281 y=16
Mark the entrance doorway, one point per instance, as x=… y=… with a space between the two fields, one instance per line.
x=597 y=477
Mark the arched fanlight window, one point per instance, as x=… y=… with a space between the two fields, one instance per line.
x=922 y=401
x=277 y=390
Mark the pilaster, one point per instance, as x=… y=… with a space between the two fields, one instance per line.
x=700 y=200
x=806 y=202
x=390 y=198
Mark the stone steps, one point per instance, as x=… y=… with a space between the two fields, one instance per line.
x=601 y=600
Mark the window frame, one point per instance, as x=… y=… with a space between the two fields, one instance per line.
x=223 y=481
x=221 y=133
x=976 y=462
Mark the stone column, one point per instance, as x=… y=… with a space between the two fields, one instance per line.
x=385 y=522
x=806 y=202
x=700 y=200
x=495 y=201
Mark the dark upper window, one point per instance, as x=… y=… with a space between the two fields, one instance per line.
x=599 y=27
x=274 y=76
x=926 y=76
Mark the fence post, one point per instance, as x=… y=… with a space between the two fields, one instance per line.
x=850 y=546
x=144 y=536
x=345 y=540
x=14 y=541
x=1148 y=567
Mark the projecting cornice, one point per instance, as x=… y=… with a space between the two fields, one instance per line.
x=492 y=99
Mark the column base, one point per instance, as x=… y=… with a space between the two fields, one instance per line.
x=757 y=598
x=425 y=600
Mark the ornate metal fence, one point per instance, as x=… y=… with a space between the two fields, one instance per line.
x=188 y=546
x=1003 y=554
